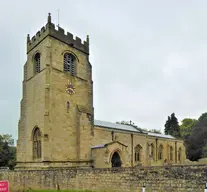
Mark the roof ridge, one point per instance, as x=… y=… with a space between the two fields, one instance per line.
x=113 y=125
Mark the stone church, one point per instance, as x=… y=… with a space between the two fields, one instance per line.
x=57 y=126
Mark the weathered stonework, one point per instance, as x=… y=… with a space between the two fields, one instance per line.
x=66 y=122
x=157 y=179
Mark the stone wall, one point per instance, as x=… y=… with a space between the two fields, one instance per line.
x=157 y=179
x=200 y=161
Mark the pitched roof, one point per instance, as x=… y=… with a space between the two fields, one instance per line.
x=115 y=126
x=160 y=135
x=129 y=128
x=105 y=145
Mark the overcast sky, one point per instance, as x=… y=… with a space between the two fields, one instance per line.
x=149 y=57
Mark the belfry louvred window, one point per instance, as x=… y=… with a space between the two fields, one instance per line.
x=69 y=63
x=37 y=62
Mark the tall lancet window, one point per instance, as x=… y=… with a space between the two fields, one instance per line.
x=69 y=63
x=160 y=152
x=36 y=144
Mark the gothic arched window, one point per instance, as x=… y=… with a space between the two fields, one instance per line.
x=152 y=152
x=160 y=152
x=138 y=153
x=171 y=153
x=36 y=143
x=69 y=63
x=37 y=63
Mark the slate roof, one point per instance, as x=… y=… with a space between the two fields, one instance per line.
x=160 y=135
x=104 y=145
x=129 y=128
x=115 y=126
x=98 y=146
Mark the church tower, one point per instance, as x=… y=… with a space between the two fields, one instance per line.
x=56 y=122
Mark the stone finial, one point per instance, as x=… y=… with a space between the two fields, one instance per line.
x=87 y=39
x=28 y=38
x=49 y=18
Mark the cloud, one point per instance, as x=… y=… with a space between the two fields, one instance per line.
x=149 y=57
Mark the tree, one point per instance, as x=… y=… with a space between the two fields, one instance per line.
x=152 y=131
x=205 y=151
x=12 y=157
x=4 y=154
x=202 y=117
x=167 y=126
x=155 y=131
x=186 y=127
x=7 y=151
x=172 y=126
x=197 y=141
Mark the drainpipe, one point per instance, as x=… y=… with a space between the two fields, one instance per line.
x=175 y=151
x=156 y=148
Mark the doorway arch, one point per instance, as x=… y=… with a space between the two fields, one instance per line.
x=116 y=160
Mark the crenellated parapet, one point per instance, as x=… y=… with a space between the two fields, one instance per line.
x=59 y=33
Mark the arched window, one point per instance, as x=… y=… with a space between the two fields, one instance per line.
x=160 y=152
x=171 y=153
x=179 y=154
x=69 y=63
x=138 y=153
x=152 y=152
x=37 y=63
x=36 y=144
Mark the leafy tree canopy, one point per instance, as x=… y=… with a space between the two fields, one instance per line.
x=7 y=138
x=186 y=127
x=7 y=151
x=202 y=117
x=197 y=141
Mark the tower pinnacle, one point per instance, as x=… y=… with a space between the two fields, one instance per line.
x=49 y=18
x=87 y=39
x=28 y=38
